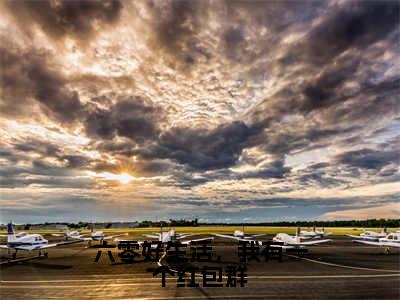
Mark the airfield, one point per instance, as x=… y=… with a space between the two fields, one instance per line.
x=338 y=270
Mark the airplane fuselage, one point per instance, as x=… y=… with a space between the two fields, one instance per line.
x=26 y=240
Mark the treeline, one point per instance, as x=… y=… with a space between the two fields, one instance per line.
x=394 y=223
x=170 y=223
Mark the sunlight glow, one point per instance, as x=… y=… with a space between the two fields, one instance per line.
x=122 y=178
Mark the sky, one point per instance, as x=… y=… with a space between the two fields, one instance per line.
x=225 y=111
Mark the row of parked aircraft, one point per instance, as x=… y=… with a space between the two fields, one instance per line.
x=302 y=239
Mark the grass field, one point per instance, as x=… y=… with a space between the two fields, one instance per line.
x=221 y=230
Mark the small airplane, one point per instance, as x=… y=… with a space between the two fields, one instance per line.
x=370 y=235
x=290 y=242
x=27 y=242
x=314 y=233
x=98 y=236
x=287 y=241
x=239 y=234
x=391 y=240
x=69 y=235
x=170 y=236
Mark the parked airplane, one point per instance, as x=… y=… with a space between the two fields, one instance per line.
x=391 y=240
x=69 y=235
x=99 y=236
x=314 y=233
x=370 y=235
x=295 y=241
x=287 y=240
x=239 y=234
x=171 y=236
x=27 y=242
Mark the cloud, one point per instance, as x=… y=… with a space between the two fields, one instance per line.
x=368 y=158
x=28 y=76
x=134 y=118
x=59 y=19
x=204 y=103
x=387 y=211
x=352 y=24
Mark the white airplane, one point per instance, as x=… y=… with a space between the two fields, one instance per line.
x=370 y=235
x=314 y=233
x=69 y=235
x=172 y=236
x=288 y=241
x=295 y=241
x=239 y=234
x=26 y=242
x=99 y=236
x=391 y=240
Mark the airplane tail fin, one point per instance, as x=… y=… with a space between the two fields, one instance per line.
x=298 y=234
x=10 y=233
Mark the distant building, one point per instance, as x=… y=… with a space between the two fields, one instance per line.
x=49 y=227
x=124 y=224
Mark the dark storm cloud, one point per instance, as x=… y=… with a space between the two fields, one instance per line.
x=133 y=118
x=355 y=24
x=280 y=141
x=369 y=159
x=75 y=161
x=176 y=24
x=180 y=25
x=28 y=75
x=78 y=19
x=374 y=101
x=324 y=90
x=274 y=169
x=202 y=149
x=38 y=146
x=242 y=22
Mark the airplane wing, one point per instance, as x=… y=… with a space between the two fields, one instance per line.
x=254 y=235
x=197 y=240
x=369 y=238
x=151 y=236
x=39 y=247
x=307 y=237
x=182 y=236
x=228 y=236
x=310 y=243
x=382 y=244
x=139 y=242
x=113 y=236
x=58 y=234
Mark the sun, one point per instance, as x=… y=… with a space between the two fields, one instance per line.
x=123 y=178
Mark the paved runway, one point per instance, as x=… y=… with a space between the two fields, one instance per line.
x=340 y=270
